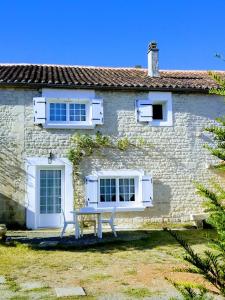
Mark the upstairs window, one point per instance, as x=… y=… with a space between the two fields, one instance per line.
x=157 y=110
x=57 y=112
x=161 y=108
x=68 y=113
x=77 y=112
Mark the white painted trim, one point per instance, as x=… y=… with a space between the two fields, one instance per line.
x=119 y=173
x=109 y=209
x=32 y=166
x=68 y=93
x=122 y=206
x=164 y=98
x=69 y=124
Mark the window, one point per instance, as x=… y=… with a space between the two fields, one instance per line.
x=108 y=190
x=74 y=113
x=77 y=112
x=68 y=113
x=57 y=112
x=161 y=108
x=117 y=189
x=126 y=189
x=157 y=111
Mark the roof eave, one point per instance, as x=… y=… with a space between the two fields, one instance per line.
x=101 y=87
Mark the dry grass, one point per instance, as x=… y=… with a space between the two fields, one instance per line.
x=129 y=269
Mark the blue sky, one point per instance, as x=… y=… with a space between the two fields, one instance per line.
x=113 y=32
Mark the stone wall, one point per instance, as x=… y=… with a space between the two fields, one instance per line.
x=176 y=156
x=12 y=140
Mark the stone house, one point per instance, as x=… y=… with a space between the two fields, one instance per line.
x=42 y=106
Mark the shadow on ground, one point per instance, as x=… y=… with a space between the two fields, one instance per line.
x=126 y=240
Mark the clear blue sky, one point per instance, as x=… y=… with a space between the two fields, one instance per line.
x=113 y=32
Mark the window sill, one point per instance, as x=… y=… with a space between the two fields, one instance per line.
x=69 y=126
x=160 y=123
x=123 y=209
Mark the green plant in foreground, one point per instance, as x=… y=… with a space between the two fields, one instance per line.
x=191 y=292
x=212 y=265
x=218 y=130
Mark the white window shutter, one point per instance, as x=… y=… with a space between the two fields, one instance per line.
x=39 y=110
x=91 y=191
x=97 y=111
x=144 y=110
x=147 y=190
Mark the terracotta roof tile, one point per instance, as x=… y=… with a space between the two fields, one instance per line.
x=102 y=77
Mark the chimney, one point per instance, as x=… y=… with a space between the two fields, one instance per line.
x=153 y=60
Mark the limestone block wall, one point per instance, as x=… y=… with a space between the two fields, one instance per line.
x=12 y=141
x=176 y=156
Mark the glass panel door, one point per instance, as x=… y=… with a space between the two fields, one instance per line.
x=50 y=191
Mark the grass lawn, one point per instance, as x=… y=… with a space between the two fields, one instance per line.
x=121 y=269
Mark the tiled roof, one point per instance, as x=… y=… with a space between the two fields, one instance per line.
x=29 y=75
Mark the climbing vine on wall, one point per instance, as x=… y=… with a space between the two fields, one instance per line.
x=85 y=145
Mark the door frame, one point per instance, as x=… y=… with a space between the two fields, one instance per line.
x=33 y=165
x=50 y=167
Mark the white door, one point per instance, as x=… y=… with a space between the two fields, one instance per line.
x=50 y=197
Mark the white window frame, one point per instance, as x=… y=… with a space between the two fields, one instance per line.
x=68 y=94
x=119 y=203
x=68 y=123
x=164 y=98
x=117 y=174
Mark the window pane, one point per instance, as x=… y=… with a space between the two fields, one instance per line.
x=50 y=191
x=126 y=189
x=121 y=197
x=58 y=209
x=57 y=112
x=102 y=198
x=113 y=197
x=42 y=209
x=132 y=189
x=126 y=197
x=107 y=190
x=132 y=198
x=157 y=111
x=77 y=112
